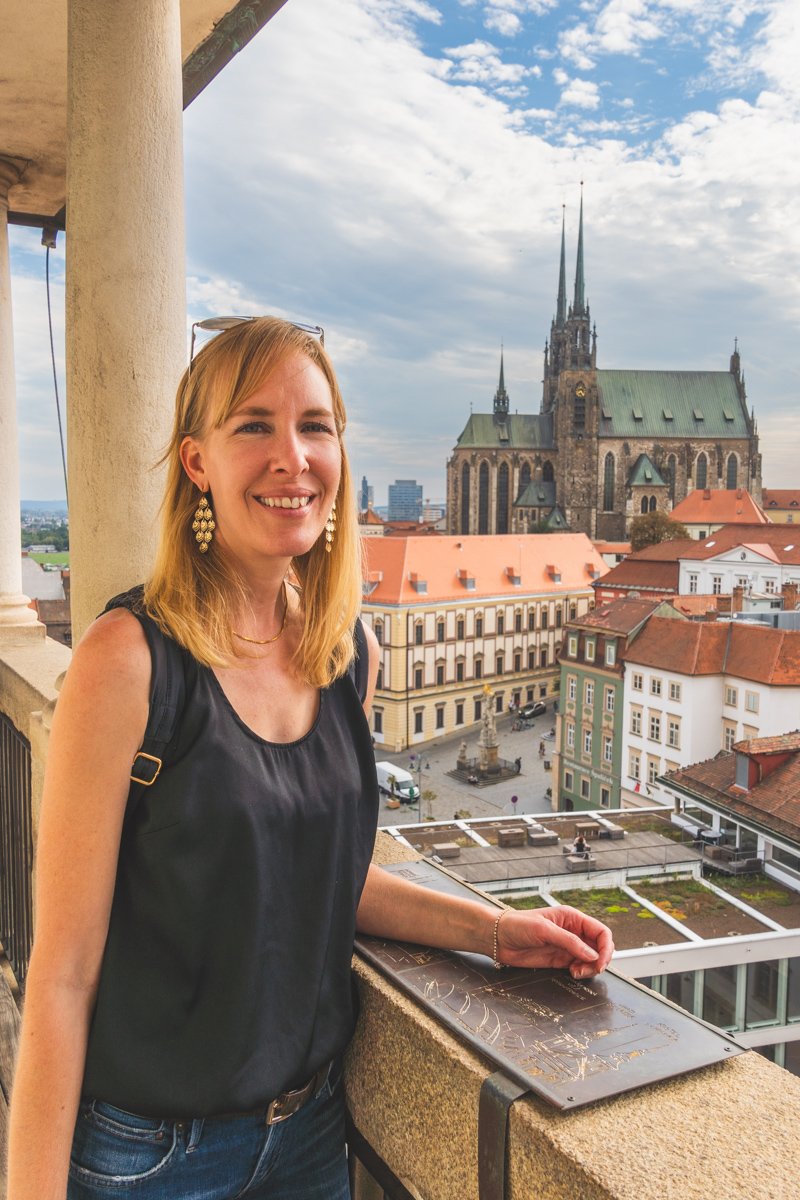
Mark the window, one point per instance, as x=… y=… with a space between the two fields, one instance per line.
x=635 y=765
x=544 y=618
x=611 y=653
x=459 y=712
x=572 y=687
x=652 y=770
x=570 y=735
x=501 y=623
x=418 y=634
x=751 y=702
x=518 y=622
x=655 y=686
x=479 y=627
x=531 y=660
x=573 y=611
x=418 y=715
x=716 y=585
x=731 y=696
x=460 y=628
x=517 y=662
x=769 y=587
x=728 y=735
x=654 y=729
x=589 y=650
x=568 y=780
x=732 y=479
x=674 y=734
x=608 y=748
x=440 y=631
x=636 y=721
x=674 y=691
x=378 y=627
x=459 y=672
x=379 y=680
x=440 y=716
x=605 y=797
x=585 y=788
x=608 y=483
x=499 y=665
x=608 y=700
x=693 y=585
x=418 y=677
x=587 y=741
x=440 y=675
x=531 y=620
x=478 y=710
x=543 y=656
x=636 y=682
x=498 y=702
x=558 y=616
x=479 y=668
x=588 y=692
x=701 y=472
x=572 y=645
x=377 y=720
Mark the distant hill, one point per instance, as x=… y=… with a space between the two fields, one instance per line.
x=44 y=506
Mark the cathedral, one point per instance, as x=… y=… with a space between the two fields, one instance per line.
x=606 y=445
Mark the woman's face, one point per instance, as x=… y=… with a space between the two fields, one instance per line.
x=273 y=467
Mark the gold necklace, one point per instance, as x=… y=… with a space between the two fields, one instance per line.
x=267 y=641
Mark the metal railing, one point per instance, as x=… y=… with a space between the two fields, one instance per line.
x=16 y=848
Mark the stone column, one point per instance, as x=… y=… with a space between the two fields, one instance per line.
x=16 y=617
x=125 y=294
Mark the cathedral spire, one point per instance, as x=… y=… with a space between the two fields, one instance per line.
x=561 y=303
x=578 y=305
x=500 y=407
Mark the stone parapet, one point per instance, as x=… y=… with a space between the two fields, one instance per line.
x=413 y=1092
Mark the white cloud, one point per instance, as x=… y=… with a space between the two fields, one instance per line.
x=581 y=93
x=480 y=62
x=504 y=22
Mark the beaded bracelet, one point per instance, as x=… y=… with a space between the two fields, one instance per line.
x=498 y=966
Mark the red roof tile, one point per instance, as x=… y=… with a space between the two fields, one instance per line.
x=719 y=506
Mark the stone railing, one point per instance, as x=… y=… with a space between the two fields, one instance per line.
x=724 y=1131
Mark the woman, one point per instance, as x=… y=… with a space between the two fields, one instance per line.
x=189 y=983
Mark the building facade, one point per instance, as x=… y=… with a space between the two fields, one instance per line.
x=405 y=500
x=454 y=614
x=606 y=445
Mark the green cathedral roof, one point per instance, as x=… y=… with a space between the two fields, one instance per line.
x=518 y=430
x=664 y=404
x=645 y=473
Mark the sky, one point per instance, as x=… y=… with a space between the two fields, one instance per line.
x=397 y=170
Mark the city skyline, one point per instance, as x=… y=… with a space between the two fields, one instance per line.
x=402 y=183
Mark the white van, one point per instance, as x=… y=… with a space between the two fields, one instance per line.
x=405 y=789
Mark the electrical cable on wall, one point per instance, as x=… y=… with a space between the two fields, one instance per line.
x=49 y=234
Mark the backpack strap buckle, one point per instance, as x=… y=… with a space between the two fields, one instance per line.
x=145 y=768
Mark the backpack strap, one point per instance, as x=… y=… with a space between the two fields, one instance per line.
x=359 y=667
x=167 y=693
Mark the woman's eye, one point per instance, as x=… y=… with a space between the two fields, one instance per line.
x=317 y=427
x=252 y=427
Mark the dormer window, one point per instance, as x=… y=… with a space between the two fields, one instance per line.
x=742 y=771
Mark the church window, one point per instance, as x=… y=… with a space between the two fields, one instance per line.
x=524 y=476
x=483 y=498
x=608 y=484
x=502 y=498
x=643 y=505
x=547 y=472
x=465 y=498
x=669 y=475
x=652 y=504
x=579 y=409
x=701 y=472
x=732 y=481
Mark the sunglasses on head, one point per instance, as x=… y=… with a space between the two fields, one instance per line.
x=218 y=324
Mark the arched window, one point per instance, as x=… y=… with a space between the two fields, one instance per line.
x=524 y=476
x=652 y=504
x=701 y=472
x=732 y=481
x=464 y=499
x=608 y=483
x=502 y=498
x=669 y=476
x=547 y=472
x=483 y=498
x=644 y=504
x=378 y=631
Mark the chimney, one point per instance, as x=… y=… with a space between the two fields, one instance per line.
x=738 y=598
x=789 y=593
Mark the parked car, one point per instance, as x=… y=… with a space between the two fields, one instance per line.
x=529 y=711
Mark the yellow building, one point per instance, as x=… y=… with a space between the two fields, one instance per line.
x=453 y=614
x=782 y=505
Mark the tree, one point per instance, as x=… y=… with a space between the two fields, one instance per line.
x=651 y=528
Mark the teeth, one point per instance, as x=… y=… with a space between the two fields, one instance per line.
x=286 y=501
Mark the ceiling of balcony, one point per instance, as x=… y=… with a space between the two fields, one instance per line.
x=33 y=84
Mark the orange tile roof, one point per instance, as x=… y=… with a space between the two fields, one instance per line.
x=719 y=506
x=757 y=653
x=773 y=801
x=780 y=744
x=619 y=616
x=633 y=573
x=447 y=564
x=780 y=498
x=370 y=517
x=612 y=547
x=782 y=540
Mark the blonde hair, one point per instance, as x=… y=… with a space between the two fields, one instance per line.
x=193 y=596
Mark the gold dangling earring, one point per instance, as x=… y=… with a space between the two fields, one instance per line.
x=203 y=525
x=330 y=528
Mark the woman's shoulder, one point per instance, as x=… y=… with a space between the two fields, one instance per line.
x=114 y=645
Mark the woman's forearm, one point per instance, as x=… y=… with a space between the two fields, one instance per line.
x=46 y=1089
x=394 y=908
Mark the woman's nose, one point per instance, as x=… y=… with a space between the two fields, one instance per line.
x=289 y=454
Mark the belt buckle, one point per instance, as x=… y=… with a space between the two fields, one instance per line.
x=290 y=1101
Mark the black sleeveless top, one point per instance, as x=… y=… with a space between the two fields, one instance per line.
x=226 y=973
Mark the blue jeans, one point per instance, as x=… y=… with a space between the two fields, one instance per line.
x=120 y=1155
